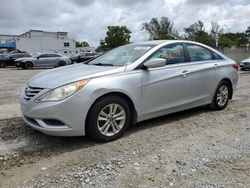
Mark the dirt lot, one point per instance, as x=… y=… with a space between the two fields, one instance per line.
x=194 y=148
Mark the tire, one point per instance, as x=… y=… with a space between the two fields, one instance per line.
x=221 y=96
x=2 y=64
x=28 y=65
x=61 y=63
x=102 y=125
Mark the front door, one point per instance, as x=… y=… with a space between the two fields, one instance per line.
x=166 y=89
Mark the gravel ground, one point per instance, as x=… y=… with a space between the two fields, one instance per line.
x=193 y=148
x=11 y=84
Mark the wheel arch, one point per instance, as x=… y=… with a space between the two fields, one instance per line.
x=29 y=62
x=230 y=86
x=61 y=61
x=122 y=95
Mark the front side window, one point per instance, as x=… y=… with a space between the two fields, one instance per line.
x=198 y=53
x=173 y=54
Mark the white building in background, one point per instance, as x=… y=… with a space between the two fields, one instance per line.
x=43 y=41
x=4 y=38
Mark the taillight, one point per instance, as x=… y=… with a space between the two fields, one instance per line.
x=235 y=66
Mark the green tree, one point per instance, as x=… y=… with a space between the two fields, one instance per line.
x=115 y=36
x=196 y=32
x=238 y=39
x=215 y=30
x=224 y=41
x=193 y=30
x=248 y=33
x=82 y=44
x=163 y=29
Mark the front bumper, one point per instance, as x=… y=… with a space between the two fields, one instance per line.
x=62 y=118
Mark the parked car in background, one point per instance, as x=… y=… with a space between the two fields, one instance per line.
x=9 y=60
x=83 y=57
x=245 y=64
x=16 y=51
x=2 y=62
x=126 y=85
x=43 y=60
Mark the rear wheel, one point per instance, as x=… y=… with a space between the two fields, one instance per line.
x=221 y=96
x=28 y=65
x=108 y=119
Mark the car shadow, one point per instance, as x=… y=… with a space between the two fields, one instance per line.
x=167 y=119
x=36 y=140
x=33 y=145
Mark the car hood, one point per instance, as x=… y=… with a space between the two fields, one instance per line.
x=25 y=59
x=60 y=76
x=245 y=60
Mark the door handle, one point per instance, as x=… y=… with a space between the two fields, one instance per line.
x=215 y=66
x=185 y=73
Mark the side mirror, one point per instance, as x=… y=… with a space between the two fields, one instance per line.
x=154 y=63
x=37 y=57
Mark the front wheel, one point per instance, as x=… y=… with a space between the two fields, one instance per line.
x=108 y=119
x=221 y=96
x=28 y=65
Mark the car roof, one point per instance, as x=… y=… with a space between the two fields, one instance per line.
x=157 y=42
x=49 y=53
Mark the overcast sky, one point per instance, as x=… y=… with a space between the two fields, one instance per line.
x=88 y=19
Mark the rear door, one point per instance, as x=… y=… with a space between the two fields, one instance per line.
x=53 y=60
x=166 y=88
x=43 y=60
x=204 y=73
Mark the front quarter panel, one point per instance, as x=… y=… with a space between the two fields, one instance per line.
x=128 y=83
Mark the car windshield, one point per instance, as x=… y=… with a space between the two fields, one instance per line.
x=122 y=56
x=35 y=54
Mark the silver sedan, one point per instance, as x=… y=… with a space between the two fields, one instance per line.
x=129 y=84
x=43 y=60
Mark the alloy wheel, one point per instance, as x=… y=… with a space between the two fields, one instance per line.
x=222 y=95
x=111 y=119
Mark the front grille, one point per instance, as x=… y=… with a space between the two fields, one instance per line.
x=30 y=92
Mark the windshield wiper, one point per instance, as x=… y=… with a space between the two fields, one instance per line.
x=102 y=64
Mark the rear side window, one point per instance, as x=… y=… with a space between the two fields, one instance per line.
x=198 y=53
x=44 y=55
x=54 y=55
x=57 y=55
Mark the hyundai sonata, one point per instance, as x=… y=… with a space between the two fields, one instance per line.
x=126 y=85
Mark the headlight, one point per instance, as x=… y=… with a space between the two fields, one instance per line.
x=62 y=92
